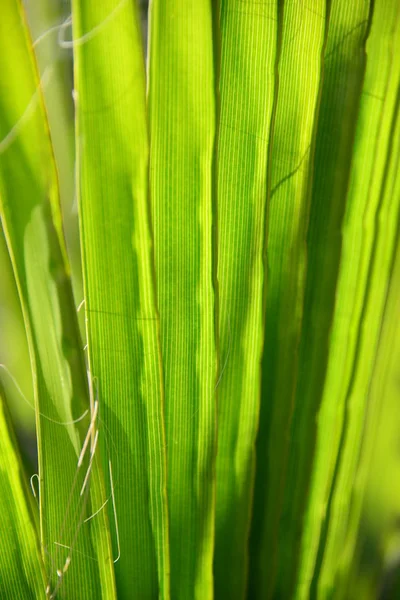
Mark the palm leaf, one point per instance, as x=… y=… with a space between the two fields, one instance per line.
x=22 y=573
x=375 y=198
x=249 y=52
x=182 y=118
x=374 y=502
x=344 y=68
x=243 y=374
x=32 y=223
x=289 y=190
x=121 y=314
x=294 y=379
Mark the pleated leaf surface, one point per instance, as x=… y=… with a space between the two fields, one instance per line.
x=375 y=498
x=372 y=217
x=182 y=177
x=31 y=221
x=302 y=34
x=22 y=572
x=122 y=320
x=363 y=279
x=341 y=86
x=248 y=55
x=303 y=277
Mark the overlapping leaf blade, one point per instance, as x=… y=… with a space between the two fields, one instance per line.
x=355 y=331
x=372 y=219
x=22 y=572
x=344 y=67
x=121 y=313
x=303 y=35
x=314 y=267
x=32 y=223
x=375 y=495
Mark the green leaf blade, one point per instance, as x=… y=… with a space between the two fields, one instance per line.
x=249 y=48
x=121 y=313
x=182 y=124
x=303 y=35
x=380 y=208
x=32 y=224
x=22 y=571
x=343 y=72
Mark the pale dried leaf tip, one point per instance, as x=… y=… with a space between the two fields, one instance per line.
x=32 y=485
x=88 y=435
x=66 y=564
x=114 y=511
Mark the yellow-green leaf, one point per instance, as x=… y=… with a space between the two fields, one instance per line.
x=182 y=171
x=121 y=312
x=22 y=572
x=32 y=223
